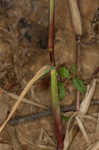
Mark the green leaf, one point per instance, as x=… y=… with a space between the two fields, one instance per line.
x=74 y=68
x=64 y=72
x=61 y=90
x=78 y=84
x=65 y=118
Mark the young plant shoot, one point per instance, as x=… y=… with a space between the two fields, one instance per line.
x=56 y=109
x=54 y=89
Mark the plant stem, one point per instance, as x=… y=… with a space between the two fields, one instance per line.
x=78 y=49
x=56 y=109
x=51 y=31
x=54 y=90
x=77 y=25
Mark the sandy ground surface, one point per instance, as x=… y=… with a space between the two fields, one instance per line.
x=23 y=51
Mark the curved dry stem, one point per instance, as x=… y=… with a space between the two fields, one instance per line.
x=24 y=92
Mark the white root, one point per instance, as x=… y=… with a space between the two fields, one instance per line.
x=76 y=18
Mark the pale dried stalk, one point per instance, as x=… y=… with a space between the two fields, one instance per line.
x=82 y=129
x=40 y=136
x=49 y=138
x=26 y=89
x=97 y=128
x=25 y=100
x=83 y=110
x=69 y=135
x=76 y=19
x=88 y=117
x=46 y=147
x=77 y=24
x=94 y=147
x=87 y=100
x=95 y=115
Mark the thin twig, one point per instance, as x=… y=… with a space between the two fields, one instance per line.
x=25 y=100
x=78 y=66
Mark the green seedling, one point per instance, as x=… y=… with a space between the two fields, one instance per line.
x=61 y=90
x=64 y=72
x=78 y=84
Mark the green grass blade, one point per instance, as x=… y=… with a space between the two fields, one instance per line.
x=56 y=109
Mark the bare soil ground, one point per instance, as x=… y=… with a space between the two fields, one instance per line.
x=23 y=51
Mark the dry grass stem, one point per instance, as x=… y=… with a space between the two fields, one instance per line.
x=26 y=89
x=68 y=135
x=88 y=97
x=46 y=147
x=94 y=146
x=25 y=100
x=41 y=136
x=88 y=117
x=82 y=129
x=49 y=138
x=77 y=24
x=97 y=127
x=76 y=18
x=83 y=110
